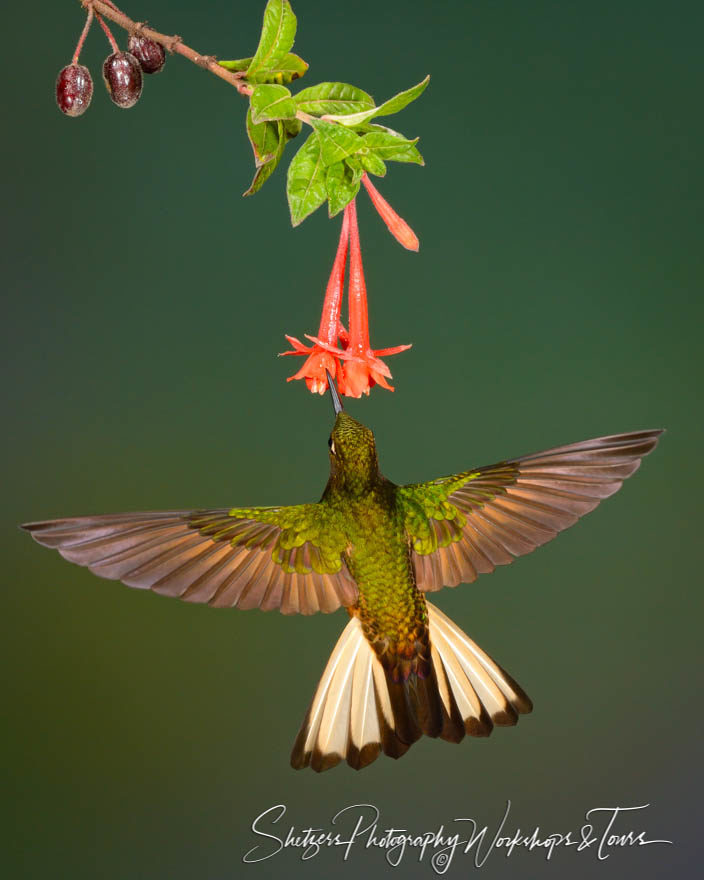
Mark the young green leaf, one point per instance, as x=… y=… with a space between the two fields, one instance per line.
x=278 y=34
x=336 y=142
x=355 y=167
x=374 y=126
x=393 y=105
x=264 y=138
x=372 y=163
x=289 y=67
x=268 y=141
x=292 y=127
x=333 y=97
x=271 y=102
x=305 y=187
x=236 y=64
x=266 y=169
x=403 y=99
x=262 y=174
x=342 y=186
x=392 y=148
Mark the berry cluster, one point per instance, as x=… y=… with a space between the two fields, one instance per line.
x=122 y=72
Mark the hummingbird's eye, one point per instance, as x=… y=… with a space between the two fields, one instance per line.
x=331 y=444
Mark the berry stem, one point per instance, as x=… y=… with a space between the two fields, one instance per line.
x=82 y=38
x=108 y=33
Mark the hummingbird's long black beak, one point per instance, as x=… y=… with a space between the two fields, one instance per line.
x=336 y=402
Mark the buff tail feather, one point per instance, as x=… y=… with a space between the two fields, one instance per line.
x=357 y=712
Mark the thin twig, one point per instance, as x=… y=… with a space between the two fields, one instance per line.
x=174 y=44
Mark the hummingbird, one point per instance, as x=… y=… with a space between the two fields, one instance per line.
x=401 y=669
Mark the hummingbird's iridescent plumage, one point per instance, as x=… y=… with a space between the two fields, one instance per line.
x=400 y=669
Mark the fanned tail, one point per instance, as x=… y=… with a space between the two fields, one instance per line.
x=358 y=712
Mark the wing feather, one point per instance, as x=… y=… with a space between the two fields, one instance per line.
x=264 y=558
x=467 y=524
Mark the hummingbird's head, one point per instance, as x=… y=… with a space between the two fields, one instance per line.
x=353 y=462
x=353 y=459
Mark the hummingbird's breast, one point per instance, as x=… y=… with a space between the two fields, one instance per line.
x=390 y=607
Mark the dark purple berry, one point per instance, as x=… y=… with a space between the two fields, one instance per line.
x=123 y=78
x=74 y=89
x=149 y=53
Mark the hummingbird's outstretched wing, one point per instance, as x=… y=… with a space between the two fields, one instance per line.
x=257 y=557
x=467 y=524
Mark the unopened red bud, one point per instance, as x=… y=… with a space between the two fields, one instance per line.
x=74 y=89
x=123 y=77
x=149 y=53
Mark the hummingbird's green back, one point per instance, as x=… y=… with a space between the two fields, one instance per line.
x=371 y=512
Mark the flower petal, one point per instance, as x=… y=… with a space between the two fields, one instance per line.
x=314 y=371
x=396 y=349
x=298 y=346
x=381 y=381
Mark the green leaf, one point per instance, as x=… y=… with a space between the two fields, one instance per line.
x=403 y=99
x=373 y=126
x=268 y=142
x=305 y=187
x=342 y=186
x=355 y=166
x=393 y=105
x=264 y=172
x=263 y=137
x=336 y=142
x=290 y=67
x=372 y=163
x=271 y=102
x=333 y=97
x=278 y=34
x=391 y=147
x=261 y=175
x=292 y=127
x=236 y=65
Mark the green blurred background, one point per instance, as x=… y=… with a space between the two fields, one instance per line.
x=556 y=296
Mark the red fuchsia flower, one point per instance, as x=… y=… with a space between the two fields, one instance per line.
x=362 y=367
x=397 y=226
x=321 y=359
x=356 y=366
